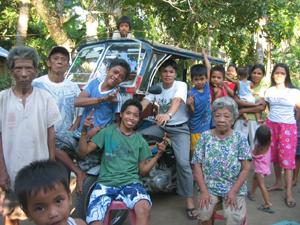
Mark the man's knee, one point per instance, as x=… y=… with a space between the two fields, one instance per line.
x=142 y=208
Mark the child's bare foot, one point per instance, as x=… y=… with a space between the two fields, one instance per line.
x=80 y=177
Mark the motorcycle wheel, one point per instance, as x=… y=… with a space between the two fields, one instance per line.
x=81 y=202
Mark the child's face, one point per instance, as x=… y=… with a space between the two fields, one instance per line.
x=216 y=78
x=124 y=29
x=130 y=117
x=231 y=72
x=115 y=76
x=199 y=82
x=49 y=207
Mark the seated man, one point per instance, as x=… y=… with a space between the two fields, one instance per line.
x=126 y=156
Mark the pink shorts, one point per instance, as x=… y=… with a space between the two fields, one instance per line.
x=283 y=145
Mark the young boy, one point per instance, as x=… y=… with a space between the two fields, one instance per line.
x=199 y=103
x=43 y=191
x=126 y=156
x=102 y=97
x=124 y=27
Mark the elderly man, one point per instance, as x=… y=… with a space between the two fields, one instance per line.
x=27 y=118
x=172 y=119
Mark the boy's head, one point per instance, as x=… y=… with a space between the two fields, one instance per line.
x=242 y=73
x=131 y=111
x=217 y=75
x=43 y=191
x=124 y=25
x=199 y=76
x=117 y=72
x=263 y=135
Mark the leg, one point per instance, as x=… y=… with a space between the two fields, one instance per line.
x=296 y=171
x=142 y=211
x=180 y=139
x=278 y=181
x=205 y=214
x=290 y=201
x=66 y=160
x=251 y=194
x=263 y=189
x=258 y=118
x=246 y=119
x=235 y=216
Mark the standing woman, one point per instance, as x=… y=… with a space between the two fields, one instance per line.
x=259 y=86
x=282 y=99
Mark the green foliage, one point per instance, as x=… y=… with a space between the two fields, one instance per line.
x=5 y=82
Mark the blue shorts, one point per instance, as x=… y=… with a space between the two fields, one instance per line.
x=102 y=196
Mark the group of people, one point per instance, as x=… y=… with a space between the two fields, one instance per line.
x=210 y=127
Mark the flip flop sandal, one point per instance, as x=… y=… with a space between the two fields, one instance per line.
x=290 y=204
x=191 y=213
x=266 y=209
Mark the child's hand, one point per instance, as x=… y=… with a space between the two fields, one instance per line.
x=112 y=97
x=190 y=101
x=88 y=123
x=162 y=145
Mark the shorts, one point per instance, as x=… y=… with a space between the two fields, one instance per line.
x=232 y=216
x=102 y=196
x=194 y=140
x=283 y=145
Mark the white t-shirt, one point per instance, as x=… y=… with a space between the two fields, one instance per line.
x=64 y=94
x=178 y=90
x=282 y=104
x=24 y=129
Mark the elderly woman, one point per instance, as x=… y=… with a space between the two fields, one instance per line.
x=221 y=165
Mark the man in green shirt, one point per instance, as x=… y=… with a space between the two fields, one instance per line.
x=126 y=156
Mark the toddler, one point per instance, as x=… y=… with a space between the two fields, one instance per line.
x=218 y=88
x=42 y=188
x=261 y=160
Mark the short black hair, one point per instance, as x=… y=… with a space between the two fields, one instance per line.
x=218 y=68
x=124 y=19
x=132 y=102
x=263 y=135
x=242 y=72
x=37 y=176
x=198 y=70
x=122 y=63
x=169 y=62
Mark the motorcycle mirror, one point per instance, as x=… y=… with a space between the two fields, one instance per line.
x=155 y=89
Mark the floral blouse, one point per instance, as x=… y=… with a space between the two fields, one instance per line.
x=221 y=161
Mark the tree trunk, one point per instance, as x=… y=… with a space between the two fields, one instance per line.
x=22 y=26
x=54 y=24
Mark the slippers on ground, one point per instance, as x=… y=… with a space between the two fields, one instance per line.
x=191 y=213
x=266 y=209
x=274 y=189
x=250 y=196
x=290 y=204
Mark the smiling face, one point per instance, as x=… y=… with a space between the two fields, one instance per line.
x=23 y=72
x=223 y=119
x=257 y=75
x=50 y=207
x=279 y=75
x=231 y=72
x=115 y=76
x=58 y=63
x=130 y=117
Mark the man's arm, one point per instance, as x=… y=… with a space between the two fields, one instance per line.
x=51 y=142
x=4 y=178
x=146 y=165
x=85 y=100
x=161 y=119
